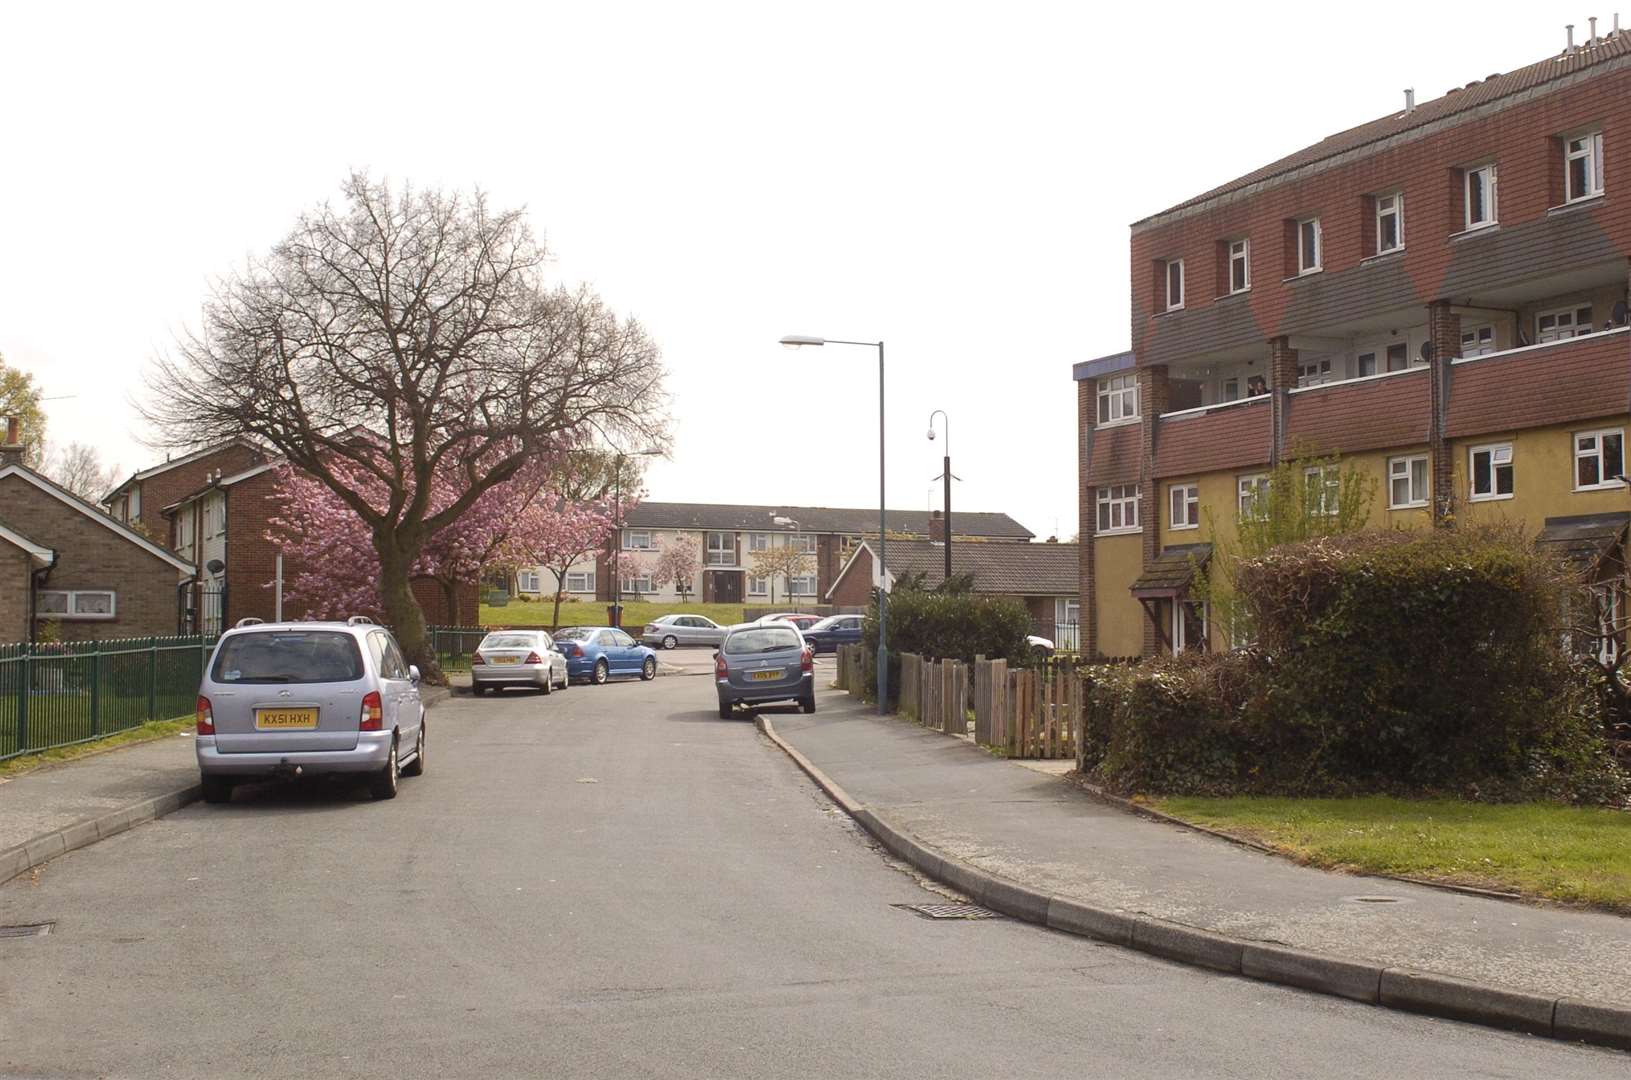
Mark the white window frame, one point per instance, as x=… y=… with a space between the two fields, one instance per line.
x=1575 y=328
x=522 y=577
x=1404 y=468
x=1498 y=457
x=758 y=586
x=1180 y=642
x=1240 y=251
x=638 y=584
x=1112 y=503
x=1588 y=148
x=1118 y=399
x=1303 y=265
x=1476 y=332
x=186 y=529
x=1606 y=607
x=1390 y=205
x=1184 y=504
x=70 y=605
x=1173 y=303
x=758 y=541
x=801 y=585
x=1595 y=453
x=723 y=554
x=1249 y=492
x=1329 y=480
x=805 y=542
x=1315 y=371
x=631 y=543
x=585 y=581
x=1488 y=185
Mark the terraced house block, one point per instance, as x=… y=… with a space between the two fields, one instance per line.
x=1437 y=296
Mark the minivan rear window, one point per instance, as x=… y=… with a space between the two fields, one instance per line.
x=288 y=656
x=762 y=639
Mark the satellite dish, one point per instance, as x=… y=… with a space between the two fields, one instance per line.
x=215 y=566
x=1427 y=350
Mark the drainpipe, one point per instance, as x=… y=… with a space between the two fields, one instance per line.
x=36 y=582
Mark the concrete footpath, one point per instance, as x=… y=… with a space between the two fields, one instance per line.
x=1043 y=834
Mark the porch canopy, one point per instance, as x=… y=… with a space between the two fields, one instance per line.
x=1585 y=540
x=1172 y=572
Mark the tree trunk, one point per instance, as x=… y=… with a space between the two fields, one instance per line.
x=402 y=611
x=560 y=587
x=450 y=593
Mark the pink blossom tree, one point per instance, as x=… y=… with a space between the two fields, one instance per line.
x=678 y=563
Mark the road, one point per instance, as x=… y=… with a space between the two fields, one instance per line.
x=613 y=882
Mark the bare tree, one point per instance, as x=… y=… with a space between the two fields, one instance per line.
x=79 y=469
x=402 y=334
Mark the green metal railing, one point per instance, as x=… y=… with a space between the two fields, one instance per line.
x=59 y=693
x=454 y=644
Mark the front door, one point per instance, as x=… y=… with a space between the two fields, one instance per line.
x=1188 y=626
x=727 y=586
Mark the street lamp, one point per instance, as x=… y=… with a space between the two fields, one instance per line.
x=945 y=475
x=617 y=529
x=794 y=341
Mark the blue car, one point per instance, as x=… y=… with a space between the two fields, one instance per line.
x=833 y=631
x=598 y=653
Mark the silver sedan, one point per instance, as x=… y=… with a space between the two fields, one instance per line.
x=517 y=658
x=671 y=631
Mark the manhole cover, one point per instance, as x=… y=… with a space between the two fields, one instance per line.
x=1376 y=899
x=950 y=911
x=31 y=930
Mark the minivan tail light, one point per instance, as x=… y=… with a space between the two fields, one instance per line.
x=807 y=660
x=373 y=712
x=205 y=717
x=534 y=658
x=720 y=670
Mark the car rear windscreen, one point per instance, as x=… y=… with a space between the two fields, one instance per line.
x=288 y=656
x=571 y=633
x=762 y=639
x=509 y=641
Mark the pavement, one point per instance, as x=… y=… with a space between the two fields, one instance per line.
x=613 y=882
x=1024 y=823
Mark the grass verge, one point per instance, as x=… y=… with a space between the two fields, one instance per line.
x=154 y=729
x=636 y=613
x=1575 y=855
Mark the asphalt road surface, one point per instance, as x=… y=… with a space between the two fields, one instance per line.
x=613 y=882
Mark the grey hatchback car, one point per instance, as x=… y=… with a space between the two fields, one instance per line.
x=286 y=699
x=761 y=663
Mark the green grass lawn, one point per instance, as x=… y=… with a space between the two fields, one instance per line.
x=636 y=613
x=1572 y=854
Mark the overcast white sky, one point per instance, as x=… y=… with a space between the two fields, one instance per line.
x=956 y=179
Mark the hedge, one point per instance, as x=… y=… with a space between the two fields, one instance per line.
x=947 y=626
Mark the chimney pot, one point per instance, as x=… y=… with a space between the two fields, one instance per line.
x=11 y=451
x=1409 y=100
x=1592 y=37
x=1569 y=30
x=937 y=527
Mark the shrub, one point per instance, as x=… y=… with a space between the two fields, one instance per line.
x=947 y=626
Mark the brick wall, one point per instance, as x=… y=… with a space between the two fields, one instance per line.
x=161 y=490
x=93 y=556
x=15 y=581
x=855 y=589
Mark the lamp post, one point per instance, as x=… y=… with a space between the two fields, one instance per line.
x=945 y=475
x=617 y=529
x=795 y=341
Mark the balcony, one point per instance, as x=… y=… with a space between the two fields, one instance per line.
x=1231 y=435
x=1373 y=413
x=1579 y=378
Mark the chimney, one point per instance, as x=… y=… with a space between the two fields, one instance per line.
x=1591 y=39
x=1409 y=100
x=1616 y=31
x=937 y=527
x=1569 y=29
x=11 y=451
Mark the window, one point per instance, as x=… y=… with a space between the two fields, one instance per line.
x=1175 y=284
x=804 y=542
x=1599 y=456
x=1491 y=472
x=1118 y=398
x=1186 y=506
x=527 y=581
x=758 y=541
x=1477 y=340
x=1583 y=166
x=1253 y=492
x=1324 y=488
x=1188 y=626
x=1118 y=508
x=1230 y=389
x=1398 y=356
x=1389 y=223
x=1308 y=246
x=636 y=540
x=1366 y=362
x=1605 y=600
x=76 y=603
x=1407 y=482
x=580 y=581
x=637 y=584
x=1480 y=196
x=184 y=530
x=136 y=501
x=721 y=549
x=288 y=656
x=1563 y=323
x=758 y=586
x=1240 y=266
x=1314 y=372
x=804 y=585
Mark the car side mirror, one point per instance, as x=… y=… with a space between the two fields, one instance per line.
x=413 y=673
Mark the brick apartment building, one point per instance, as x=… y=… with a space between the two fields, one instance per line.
x=1437 y=296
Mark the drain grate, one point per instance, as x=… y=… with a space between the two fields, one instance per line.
x=30 y=930
x=950 y=911
x=1375 y=899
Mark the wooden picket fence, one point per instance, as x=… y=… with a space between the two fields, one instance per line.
x=935 y=694
x=852 y=670
x=1028 y=713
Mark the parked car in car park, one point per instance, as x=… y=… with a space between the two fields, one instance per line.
x=672 y=631
x=760 y=663
x=524 y=658
x=598 y=653
x=833 y=631
x=292 y=699
x=801 y=619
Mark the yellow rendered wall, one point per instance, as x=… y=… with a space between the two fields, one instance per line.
x=1542 y=477
x=1117 y=562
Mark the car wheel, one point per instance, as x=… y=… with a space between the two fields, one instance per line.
x=724 y=710
x=217 y=789
x=648 y=670
x=807 y=703
x=382 y=785
x=477 y=689
x=670 y=641
x=416 y=767
x=600 y=673
x=549 y=682
x=566 y=680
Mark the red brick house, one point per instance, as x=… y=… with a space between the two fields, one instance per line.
x=140 y=500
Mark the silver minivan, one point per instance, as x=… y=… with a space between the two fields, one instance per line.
x=764 y=662
x=287 y=699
